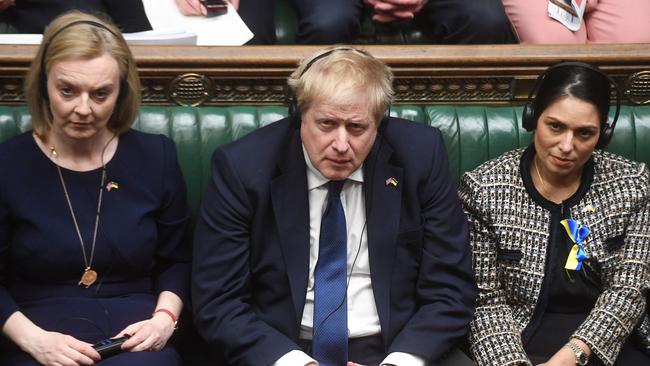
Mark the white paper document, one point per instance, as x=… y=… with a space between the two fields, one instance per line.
x=567 y=12
x=171 y=27
x=223 y=30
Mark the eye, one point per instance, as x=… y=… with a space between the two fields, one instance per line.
x=554 y=126
x=326 y=123
x=102 y=94
x=586 y=134
x=357 y=127
x=66 y=91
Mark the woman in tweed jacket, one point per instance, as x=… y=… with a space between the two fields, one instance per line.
x=560 y=233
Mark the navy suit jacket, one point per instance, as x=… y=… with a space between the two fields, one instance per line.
x=251 y=246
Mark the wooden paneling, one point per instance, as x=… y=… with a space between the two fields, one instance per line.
x=477 y=74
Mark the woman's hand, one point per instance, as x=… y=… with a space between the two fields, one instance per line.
x=48 y=348
x=565 y=356
x=148 y=335
x=52 y=348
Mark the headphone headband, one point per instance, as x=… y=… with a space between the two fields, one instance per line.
x=529 y=121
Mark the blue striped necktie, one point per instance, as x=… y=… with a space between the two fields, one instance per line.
x=330 y=334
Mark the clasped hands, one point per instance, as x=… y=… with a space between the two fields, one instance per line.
x=391 y=10
x=53 y=348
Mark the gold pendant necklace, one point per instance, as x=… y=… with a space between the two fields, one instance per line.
x=89 y=275
x=539 y=175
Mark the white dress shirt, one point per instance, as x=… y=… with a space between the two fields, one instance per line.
x=363 y=319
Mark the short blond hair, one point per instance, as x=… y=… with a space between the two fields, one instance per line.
x=335 y=74
x=78 y=35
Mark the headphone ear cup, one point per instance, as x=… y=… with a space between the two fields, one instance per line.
x=605 y=136
x=528 y=117
x=294 y=114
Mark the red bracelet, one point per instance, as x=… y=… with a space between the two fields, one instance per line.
x=168 y=312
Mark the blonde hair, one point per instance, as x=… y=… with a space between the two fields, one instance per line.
x=341 y=74
x=78 y=35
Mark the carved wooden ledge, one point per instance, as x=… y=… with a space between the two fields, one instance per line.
x=256 y=75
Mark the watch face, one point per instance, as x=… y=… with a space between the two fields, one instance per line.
x=583 y=360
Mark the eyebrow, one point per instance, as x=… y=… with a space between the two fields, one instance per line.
x=62 y=79
x=551 y=119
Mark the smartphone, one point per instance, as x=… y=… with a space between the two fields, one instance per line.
x=215 y=7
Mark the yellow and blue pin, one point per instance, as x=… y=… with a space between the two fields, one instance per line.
x=391 y=181
x=577 y=233
x=112 y=185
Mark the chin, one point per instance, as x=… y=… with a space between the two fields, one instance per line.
x=336 y=174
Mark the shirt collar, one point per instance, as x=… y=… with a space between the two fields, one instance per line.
x=315 y=179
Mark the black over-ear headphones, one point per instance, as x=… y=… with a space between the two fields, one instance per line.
x=294 y=111
x=43 y=73
x=529 y=122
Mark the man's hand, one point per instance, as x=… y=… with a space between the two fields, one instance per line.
x=391 y=10
x=350 y=363
x=52 y=348
x=191 y=7
x=148 y=335
x=5 y=4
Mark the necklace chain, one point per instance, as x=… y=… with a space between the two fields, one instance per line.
x=539 y=175
x=89 y=276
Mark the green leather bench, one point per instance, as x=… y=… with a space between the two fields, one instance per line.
x=472 y=134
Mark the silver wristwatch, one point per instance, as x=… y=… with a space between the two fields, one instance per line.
x=581 y=357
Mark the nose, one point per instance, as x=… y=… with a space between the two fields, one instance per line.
x=566 y=142
x=83 y=107
x=341 y=142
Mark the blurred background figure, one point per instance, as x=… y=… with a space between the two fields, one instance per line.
x=31 y=16
x=603 y=21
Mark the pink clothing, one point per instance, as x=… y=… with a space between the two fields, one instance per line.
x=604 y=21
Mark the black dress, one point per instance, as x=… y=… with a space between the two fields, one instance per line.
x=141 y=247
x=573 y=295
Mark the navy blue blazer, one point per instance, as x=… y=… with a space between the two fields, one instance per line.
x=251 y=245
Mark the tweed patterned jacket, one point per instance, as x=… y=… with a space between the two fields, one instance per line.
x=509 y=233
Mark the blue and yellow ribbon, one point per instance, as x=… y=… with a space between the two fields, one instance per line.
x=577 y=233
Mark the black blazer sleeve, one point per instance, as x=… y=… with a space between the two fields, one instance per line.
x=128 y=14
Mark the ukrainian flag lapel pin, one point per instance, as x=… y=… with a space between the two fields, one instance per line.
x=577 y=233
x=112 y=185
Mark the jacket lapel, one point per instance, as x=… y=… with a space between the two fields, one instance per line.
x=383 y=203
x=291 y=210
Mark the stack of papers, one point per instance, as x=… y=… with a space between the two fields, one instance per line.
x=223 y=30
x=170 y=27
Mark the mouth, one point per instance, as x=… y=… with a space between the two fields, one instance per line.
x=339 y=162
x=80 y=124
x=561 y=161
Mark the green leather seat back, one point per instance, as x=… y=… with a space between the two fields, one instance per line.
x=472 y=134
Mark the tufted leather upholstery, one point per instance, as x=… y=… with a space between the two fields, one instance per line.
x=472 y=134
